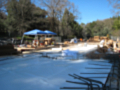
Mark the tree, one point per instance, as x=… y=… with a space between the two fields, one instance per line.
x=1 y=4
x=104 y=32
x=100 y=27
x=65 y=23
x=77 y=29
x=91 y=29
x=54 y=9
x=24 y=16
x=38 y=19
x=116 y=10
x=19 y=13
x=116 y=25
x=70 y=28
x=84 y=31
x=116 y=6
x=2 y=19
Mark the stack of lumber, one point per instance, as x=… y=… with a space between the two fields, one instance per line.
x=66 y=42
x=103 y=37
x=91 y=39
x=96 y=38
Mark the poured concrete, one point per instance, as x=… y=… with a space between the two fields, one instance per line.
x=33 y=72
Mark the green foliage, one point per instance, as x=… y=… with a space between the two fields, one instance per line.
x=18 y=15
x=70 y=27
x=2 y=24
x=116 y=24
x=108 y=36
x=19 y=37
x=101 y=28
x=38 y=19
x=24 y=16
x=91 y=29
x=104 y=32
x=115 y=33
x=25 y=37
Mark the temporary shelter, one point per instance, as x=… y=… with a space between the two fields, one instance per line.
x=49 y=32
x=37 y=32
x=33 y=32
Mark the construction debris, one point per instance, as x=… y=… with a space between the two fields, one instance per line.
x=106 y=46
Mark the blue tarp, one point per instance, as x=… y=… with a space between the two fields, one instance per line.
x=34 y=32
x=37 y=31
x=49 y=32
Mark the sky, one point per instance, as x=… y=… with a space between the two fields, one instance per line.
x=92 y=10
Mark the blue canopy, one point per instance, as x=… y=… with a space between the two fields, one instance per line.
x=34 y=32
x=49 y=32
